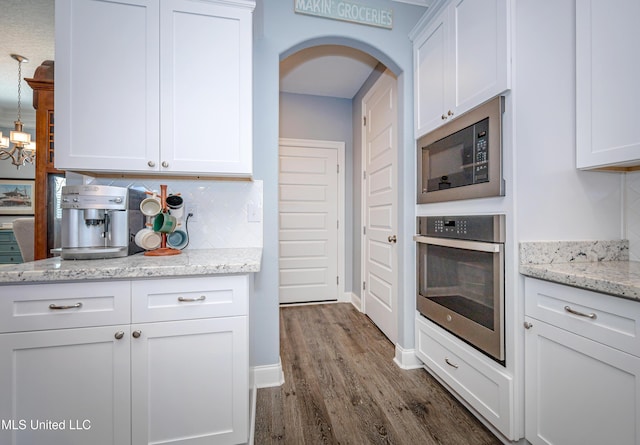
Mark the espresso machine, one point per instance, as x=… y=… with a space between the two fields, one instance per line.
x=100 y=221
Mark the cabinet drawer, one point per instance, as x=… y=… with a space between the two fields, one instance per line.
x=29 y=307
x=6 y=236
x=9 y=248
x=487 y=388
x=606 y=319
x=189 y=298
x=11 y=258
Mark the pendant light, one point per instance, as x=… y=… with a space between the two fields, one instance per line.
x=23 y=150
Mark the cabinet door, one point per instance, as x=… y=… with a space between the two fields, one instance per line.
x=190 y=382
x=206 y=88
x=578 y=391
x=65 y=387
x=479 y=44
x=430 y=60
x=106 y=97
x=607 y=93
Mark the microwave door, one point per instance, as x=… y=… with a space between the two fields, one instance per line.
x=448 y=163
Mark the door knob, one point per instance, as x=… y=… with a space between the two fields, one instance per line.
x=392 y=238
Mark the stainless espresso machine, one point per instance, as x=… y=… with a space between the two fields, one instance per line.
x=100 y=221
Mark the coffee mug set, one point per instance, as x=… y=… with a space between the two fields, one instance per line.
x=159 y=221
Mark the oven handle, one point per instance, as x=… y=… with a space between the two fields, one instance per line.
x=459 y=244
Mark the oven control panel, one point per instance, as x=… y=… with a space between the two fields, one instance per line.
x=489 y=228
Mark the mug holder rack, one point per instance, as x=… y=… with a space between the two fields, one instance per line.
x=163 y=250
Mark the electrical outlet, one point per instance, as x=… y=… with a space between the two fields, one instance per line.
x=193 y=211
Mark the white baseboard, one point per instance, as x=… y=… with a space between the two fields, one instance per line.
x=406 y=358
x=356 y=301
x=267 y=376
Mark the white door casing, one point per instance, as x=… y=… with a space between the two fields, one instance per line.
x=311 y=208
x=380 y=202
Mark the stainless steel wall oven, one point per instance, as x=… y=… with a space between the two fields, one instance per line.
x=460 y=277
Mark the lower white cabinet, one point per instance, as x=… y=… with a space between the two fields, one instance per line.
x=581 y=387
x=189 y=382
x=182 y=378
x=480 y=382
x=65 y=387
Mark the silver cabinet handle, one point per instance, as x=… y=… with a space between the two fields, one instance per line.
x=453 y=365
x=136 y=334
x=165 y=164
x=151 y=164
x=187 y=300
x=392 y=238
x=528 y=325
x=580 y=314
x=119 y=335
x=71 y=306
x=443 y=117
x=449 y=113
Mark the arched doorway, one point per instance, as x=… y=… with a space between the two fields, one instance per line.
x=312 y=103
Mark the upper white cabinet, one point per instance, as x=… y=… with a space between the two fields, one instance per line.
x=461 y=59
x=607 y=93
x=144 y=86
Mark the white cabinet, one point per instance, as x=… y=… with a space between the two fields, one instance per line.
x=607 y=93
x=65 y=386
x=134 y=362
x=480 y=382
x=461 y=59
x=582 y=370
x=168 y=90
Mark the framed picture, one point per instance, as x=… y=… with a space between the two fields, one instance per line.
x=17 y=196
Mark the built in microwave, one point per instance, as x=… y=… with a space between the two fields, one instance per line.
x=463 y=158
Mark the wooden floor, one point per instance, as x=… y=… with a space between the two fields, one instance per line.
x=342 y=387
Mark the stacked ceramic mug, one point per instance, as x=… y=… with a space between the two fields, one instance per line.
x=160 y=221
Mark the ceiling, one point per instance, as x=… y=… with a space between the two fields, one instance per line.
x=28 y=29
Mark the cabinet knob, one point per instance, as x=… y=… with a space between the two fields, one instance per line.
x=165 y=164
x=137 y=334
x=392 y=239
x=119 y=335
x=528 y=325
x=444 y=117
x=449 y=113
x=151 y=164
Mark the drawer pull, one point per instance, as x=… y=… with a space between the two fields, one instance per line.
x=189 y=300
x=580 y=314
x=453 y=365
x=71 y=306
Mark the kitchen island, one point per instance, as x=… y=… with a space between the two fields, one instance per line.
x=130 y=350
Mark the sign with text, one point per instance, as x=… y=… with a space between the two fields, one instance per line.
x=346 y=11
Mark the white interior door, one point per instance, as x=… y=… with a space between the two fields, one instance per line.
x=380 y=296
x=308 y=221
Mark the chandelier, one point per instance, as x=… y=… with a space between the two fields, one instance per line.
x=23 y=150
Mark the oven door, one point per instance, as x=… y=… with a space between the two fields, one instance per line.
x=460 y=286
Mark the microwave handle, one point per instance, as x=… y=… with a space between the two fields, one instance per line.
x=459 y=244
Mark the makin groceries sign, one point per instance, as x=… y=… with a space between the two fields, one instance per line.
x=346 y=11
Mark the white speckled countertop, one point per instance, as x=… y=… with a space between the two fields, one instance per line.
x=601 y=266
x=189 y=263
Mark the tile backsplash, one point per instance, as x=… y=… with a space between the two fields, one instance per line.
x=227 y=213
x=632 y=213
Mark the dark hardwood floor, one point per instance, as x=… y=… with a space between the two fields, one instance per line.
x=342 y=387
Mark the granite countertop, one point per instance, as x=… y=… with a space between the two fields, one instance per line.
x=601 y=266
x=189 y=263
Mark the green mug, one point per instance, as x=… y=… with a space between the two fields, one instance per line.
x=165 y=223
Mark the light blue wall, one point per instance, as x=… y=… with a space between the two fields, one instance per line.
x=303 y=116
x=279 y=32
